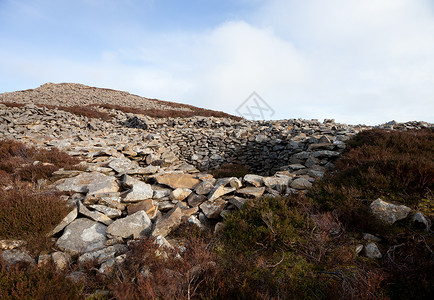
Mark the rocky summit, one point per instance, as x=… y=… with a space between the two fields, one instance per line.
x=143 y=176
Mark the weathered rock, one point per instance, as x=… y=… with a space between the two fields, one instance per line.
x=175 y=180
x=254 y=180
x=237 y=201
x=12 y=257
x=139 y=191
x=278 y=183
x=160 y=193
x=11 y=244
x=108 y=211
x=61 y=260
x=66 y=220
x=94 y=215
x=370 y=237
x=195 y=200
x=82 y=235
x=219 y=191
x=420 y=219
x=204 y=188
x=387 y=212
x=169 y=222
x=136 y=225
x=251 y=192
x=149 y=206
x=122 y=164
x=180 y=194
x=92 y=183
x=213 y=208
x=372 y=251
x=103 y=255
x=301 y=184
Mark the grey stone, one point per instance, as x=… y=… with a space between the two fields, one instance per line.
x=66 y=220
x=372 y=251
x=82 y=235
x=139 y=191
x=136 y=225
x=180 y=194
x=169 y=222
x=12 y=257
x=103 y=255
x=387 y=212
x=254 y=180
x=204 y=188
x=122 y=164
x=94 y=215
x=301 y=184
x=219 y=191
x=92 y=183
x=213 y=208
x=251 y=192
x=108 y=211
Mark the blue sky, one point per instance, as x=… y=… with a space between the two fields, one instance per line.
x=356 y=61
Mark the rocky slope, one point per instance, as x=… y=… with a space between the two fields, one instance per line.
x=144 y=176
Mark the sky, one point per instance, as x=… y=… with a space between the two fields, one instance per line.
x=359 y=62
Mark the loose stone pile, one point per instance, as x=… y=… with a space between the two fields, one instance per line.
x=146 y=176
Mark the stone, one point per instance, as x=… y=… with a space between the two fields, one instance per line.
x=175 y=180
x=251 y=192
x=66 y=220
x=237 y=201
x=91 y=183
x=149 y=206
x=254 y=180
x=301 y=184
x=235 y=183
x=103 y=255
x=419 y=218
x=370 y=237
x=160 y=193
x=11 y=244
x=12 y=257
x=81 y=236
x=122 y=164
x=204 y=188
x=278 y=183
x=219 y=191
x=108 y=211
x=180 y=194
x=60 y=260
x=169 y=222
x=372 y=251
x=139 y=191
x=213 y=208
x=195 y=200
x=94 y=215
x=387 y=212
x=136 y=225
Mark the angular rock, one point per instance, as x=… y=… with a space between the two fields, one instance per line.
x=419 y=218
x=149 y=206
x=301 y=184
x=108 y=211
x=180 y=194
x=278 y=183
x=94 y=215
x=204 y=188
x=122 y=164
x=175 y=180
x=136 y=225
x=139 y=191
x=254 y=180
x=387 y=212
x=60 y=260
x=213 y=208
x=168 y=223
x=160 y=193
x=91 y=183
x=11 y=244
x=195 y=200
x=251 y=192
x=237 y=201
x=66 y=220
x=104 y=254
x=219 y=191
x=81 y=236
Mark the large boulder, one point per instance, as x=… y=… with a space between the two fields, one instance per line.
x=81 y=236
x=175 y=180
x=136 y=225
x=387 y=212
x=91 y=183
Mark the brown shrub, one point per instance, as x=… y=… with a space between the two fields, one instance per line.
x=13 y=104
x=29 y=215
x=230 y=170
x=37 y=283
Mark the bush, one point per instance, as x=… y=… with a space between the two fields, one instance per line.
x=230 y=170
x=18 y=160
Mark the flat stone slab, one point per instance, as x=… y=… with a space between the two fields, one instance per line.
x=169 y=222
x=219 y=191
x=136 y=225
x=66 y=220
x=251 y=192
x=175 y=180
x=81 y=236
x=122 y=164
x=91 y=183
x=139 y=191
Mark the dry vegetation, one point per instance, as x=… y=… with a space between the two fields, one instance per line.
x=287 y=247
